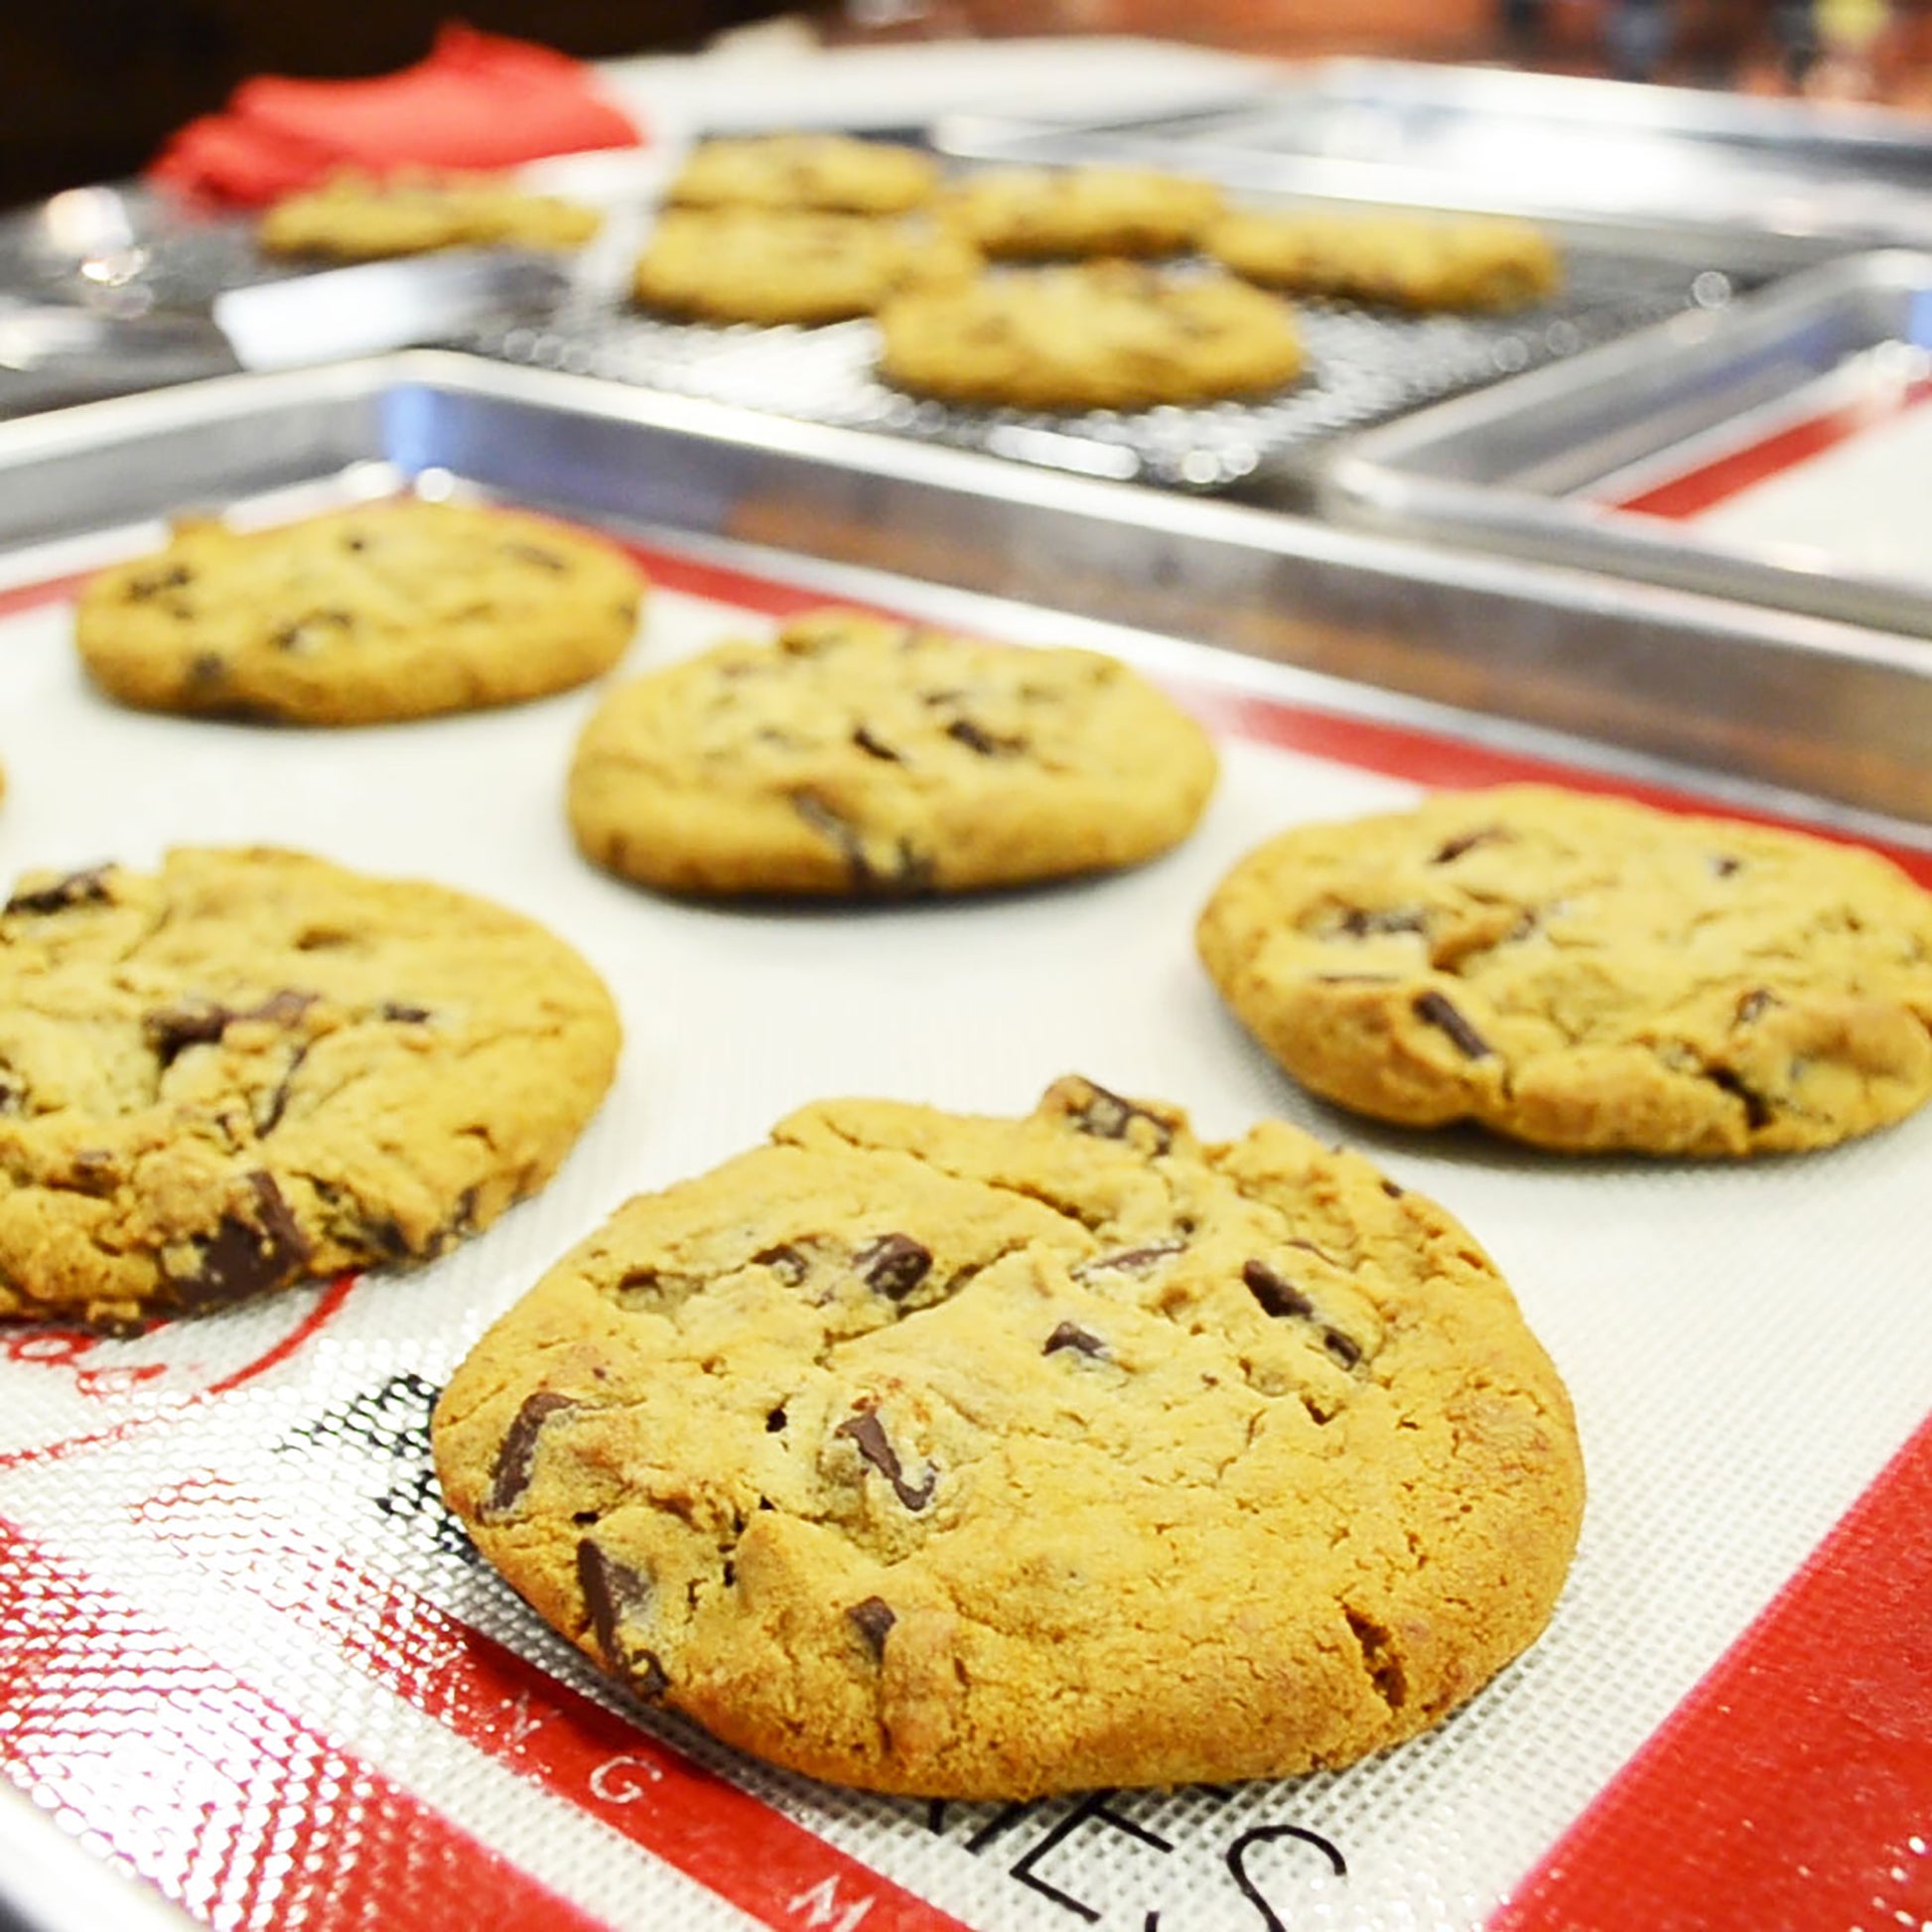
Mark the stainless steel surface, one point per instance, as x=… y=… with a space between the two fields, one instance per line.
x=1768 y=184
x=1822 y=708
x=1504 y=469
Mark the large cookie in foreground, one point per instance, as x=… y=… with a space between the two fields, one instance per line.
x=1584 y=974
x=859 y=757
x=981 y=1457
x=395 y=609
x=255 y=1068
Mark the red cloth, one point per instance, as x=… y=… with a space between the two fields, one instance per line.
x=478 y=101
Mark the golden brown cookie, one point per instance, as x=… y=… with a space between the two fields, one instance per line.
x=1584 y=974
x=739 y=264
x=985 y=1458
x=397 y=609
x=355 y=217
x=1030 y=213
x=807 y=170
x=859 y=757
x=1410 y=261
x=255 y=1068
x=1103 y=336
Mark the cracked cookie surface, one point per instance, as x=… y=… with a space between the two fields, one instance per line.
x=982 y=1458
x=1584 y=974
x=1488 y=266
x=392 y=611
x=355 y=217
x=859 y=757
x=254 y=1068
x=807 y=170
x=1040 y=213
x=1106 y=335
x=738 y=264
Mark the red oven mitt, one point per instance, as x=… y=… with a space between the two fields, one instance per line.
x=478 y=101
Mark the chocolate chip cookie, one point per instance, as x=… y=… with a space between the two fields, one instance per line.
x=739 y=264
x=397 y=609
x=860 y=757
x=1584 y=974
x=1030 y=214
x=1408 y=261
x=801 y=171
x=1102 y=335
x=982 y=1459
x=255 y=1068
x=356 y=218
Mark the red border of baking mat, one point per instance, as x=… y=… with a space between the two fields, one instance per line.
x=1794 y=1785
x=1706 y=485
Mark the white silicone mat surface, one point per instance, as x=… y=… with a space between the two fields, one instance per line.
x=246 y=1656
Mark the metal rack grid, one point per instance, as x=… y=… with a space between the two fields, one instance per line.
x=1365 y=366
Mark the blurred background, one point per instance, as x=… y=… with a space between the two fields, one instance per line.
x=89 y=89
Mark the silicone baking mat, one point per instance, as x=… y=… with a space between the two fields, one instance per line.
x=246 y=1656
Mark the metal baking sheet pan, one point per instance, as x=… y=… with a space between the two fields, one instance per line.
x=140 y=269
x=244 y=1658
x=1762 y=183
x=1774 y=452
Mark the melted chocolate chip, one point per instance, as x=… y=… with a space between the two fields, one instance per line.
x=1108 y=1117
x=238 y=1259
x=776 y=1421
x=1392 y=1190
x=170 y=1031
x=1276 y=1296
x=516 y=1455
x=207 y=667
x=976 y=738
x=893 y=1265
x=355 y=541
x=647 y=1677
x=874 y=746
x=1070 y=1335
x=1360 y=923
x=1722 y=865
x=1757 y=1110
x=1345 y=1350
x=911 y=870
x=402 y=1014
x=875 y=1618
x=278 y=1101
x=532 y=553
x=787 y=1262
x=154 y=582
x=1455 y=849
x=613 y=1594
x=76 y=889
x=1131 y=1261
x=1755 y=1003
x=1439 y=1012
x=867 y=1436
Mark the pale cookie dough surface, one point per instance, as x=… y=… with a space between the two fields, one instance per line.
x=1584 y=974
x=859 y=757
x=739 y=264
x=398 y=610
x=799 y=171
x=1102 y=335
x=355 y=217
x=1411 y=262
x=1036 y=213
x=981 y=1458
x=254 y=1068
